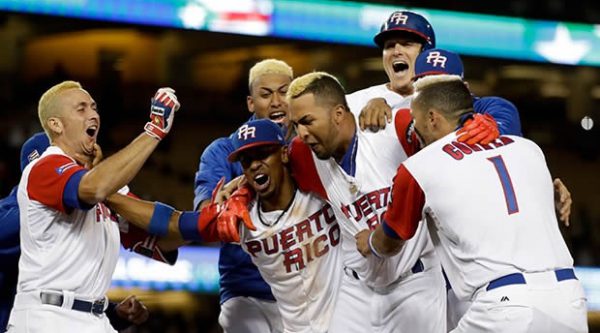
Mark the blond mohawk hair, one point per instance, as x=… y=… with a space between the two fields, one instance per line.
x=326 y=88
x=269 y=66
x=46 y=108
x=300 y=84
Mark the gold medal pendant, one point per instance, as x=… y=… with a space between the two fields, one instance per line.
x=353 y=188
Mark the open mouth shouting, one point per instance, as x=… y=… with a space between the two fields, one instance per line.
x=92 y=130
x=261 y=182
x=400 y=66
x=278 y=116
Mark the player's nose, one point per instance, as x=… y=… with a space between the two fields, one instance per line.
x=302 y=132
x=277 y=99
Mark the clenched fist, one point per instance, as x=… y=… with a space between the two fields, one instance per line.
x=163 y=106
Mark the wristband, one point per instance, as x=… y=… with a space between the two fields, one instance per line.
x=375 y=253
x=154 y=131
x=159 y=223
x=188 y=226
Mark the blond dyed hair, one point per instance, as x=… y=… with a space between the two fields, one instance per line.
x=426 y=81
x=46 y=105
x=269 y=66
x=326 y=88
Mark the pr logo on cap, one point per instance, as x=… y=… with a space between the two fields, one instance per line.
x=435 y=58
x=246 y=132
x=256 y=133
x=399 y=17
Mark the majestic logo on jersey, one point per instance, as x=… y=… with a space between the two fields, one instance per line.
x=369 y=207
x=246 y=132
x=301 y=243
x=399 y=17
x=458 y=150
x=61 y=169
x=435 y=59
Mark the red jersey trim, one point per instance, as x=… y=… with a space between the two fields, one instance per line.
x=405 y=210
x=48 y=178
x=405 y=132
x=304 y=170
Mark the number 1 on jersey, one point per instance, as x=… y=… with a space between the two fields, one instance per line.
x=507 y=187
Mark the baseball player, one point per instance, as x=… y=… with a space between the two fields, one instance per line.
x=438 y=61
x=296 y=237
x=247 y=304
x=122 y=315
x=353 y=170
x=69 y=243
x=505 y=253
x=404 y=38
x=291 y=236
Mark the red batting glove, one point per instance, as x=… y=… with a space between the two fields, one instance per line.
x=482 y=129
x=234 y=211
x=163 y=106
x=209 y=213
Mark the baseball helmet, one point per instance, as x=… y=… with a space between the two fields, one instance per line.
x=33 y=148
x=409 y=22
x=438 y=61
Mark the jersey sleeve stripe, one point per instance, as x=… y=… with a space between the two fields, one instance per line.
x=405 y=210
x=304 y=170
x=406 y=135
x=71 y=192
x=48 y=181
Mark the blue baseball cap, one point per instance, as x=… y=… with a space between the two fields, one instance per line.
x=33 y=148
x=256 y=133
x=438 y=61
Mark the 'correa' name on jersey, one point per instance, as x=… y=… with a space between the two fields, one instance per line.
x=458 y=150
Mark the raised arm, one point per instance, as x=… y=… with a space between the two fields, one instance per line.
x=119 y=169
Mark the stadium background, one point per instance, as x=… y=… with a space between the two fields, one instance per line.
x=122 y=51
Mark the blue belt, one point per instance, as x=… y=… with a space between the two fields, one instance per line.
x=96 y=307
x=518 y=278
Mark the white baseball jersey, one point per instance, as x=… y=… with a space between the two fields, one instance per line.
x=61 y=248
x=489 y=209
x=362 y=194
x=296 y=251
x=358 y=99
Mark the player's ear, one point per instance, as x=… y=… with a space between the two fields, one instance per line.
x=55 y=125
x=435 y=118
x=284 y=155
x=467 y=85
x=338 y=113
x=250 y=103
x=430 y=115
